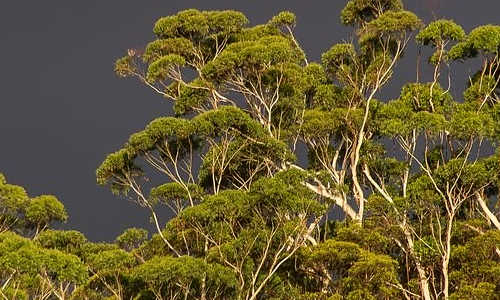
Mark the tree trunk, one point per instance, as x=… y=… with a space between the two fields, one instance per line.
x=422 y=276
x=491 y=217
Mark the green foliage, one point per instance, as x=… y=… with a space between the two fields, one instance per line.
x=111 y=261
x=252 y=56
x=13 y=201
x=483 y=39
x=284 y=194
x=131 y=238
x=247 y=160
x=338 y=55
x=338 y=61
x=481 y=291
x=362 y=11
x=424 y=107
x=20 y=213
x=328 y=97
x=257 y=32
x=370 y=239
x=190 y=96
x=321 y=123
x=391 y=23
x=466 y=124
x=124 y=67
x=64 y=267
x=160 y=68
x=482 y=90
x=477 y=267
x=427 y=251
x=439 y=32
x=118 y=164
x=184 y=275
x=415 y=177
x=17 y=253
x=64 y=240
x=284 y=18
x=215 y=122
x=371 y=277
x=31 y=267
x=44 y=209
x=87 y=250
x=426 y=97
x=193 y=24
x=163 y=47
x=336 y=256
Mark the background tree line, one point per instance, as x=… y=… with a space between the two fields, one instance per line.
x=397 y=199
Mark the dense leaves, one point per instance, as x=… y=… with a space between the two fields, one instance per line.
x=398 y=198
x=412 y=176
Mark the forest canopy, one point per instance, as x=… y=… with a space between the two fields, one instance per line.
x=398 y=198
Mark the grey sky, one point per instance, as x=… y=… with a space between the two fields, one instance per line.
x=62 y=109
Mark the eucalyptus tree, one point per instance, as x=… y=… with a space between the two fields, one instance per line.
x=110 y=270
x=13 y=200
x=184 y=278
x=29 y=216
x=453 y=137
x=31 y=272
x=267 y=68
x=414 y=176
x=253 y=233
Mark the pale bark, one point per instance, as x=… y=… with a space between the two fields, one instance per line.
x=489 y=214
x=422 y=274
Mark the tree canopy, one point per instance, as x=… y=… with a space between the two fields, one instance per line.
x=398 y=198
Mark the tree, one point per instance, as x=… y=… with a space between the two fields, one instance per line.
x=414 y=176
x=252 y=233
x=185 y=278
x=43 y=210
x=13 y=200
x=40 y=273
x=111 y=270
x=23 y=214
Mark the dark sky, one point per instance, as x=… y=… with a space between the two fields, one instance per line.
x=62 y=109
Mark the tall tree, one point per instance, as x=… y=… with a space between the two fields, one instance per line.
x=29 y=216
x=415 y=177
